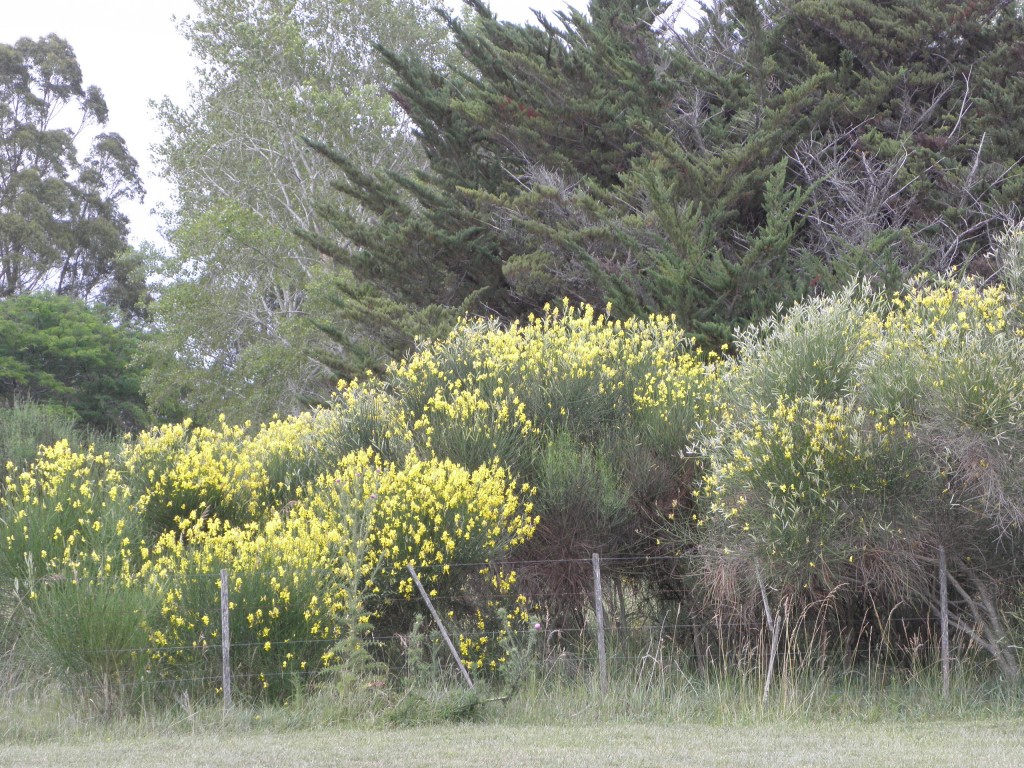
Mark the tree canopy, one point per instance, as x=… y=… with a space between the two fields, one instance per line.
x=56 y=350
x=239 y=321
x=773 y=151
x=61 y=228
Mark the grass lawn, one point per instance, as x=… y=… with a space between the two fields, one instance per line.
x=986 y=743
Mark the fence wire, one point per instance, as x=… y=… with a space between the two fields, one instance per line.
x=494 y=631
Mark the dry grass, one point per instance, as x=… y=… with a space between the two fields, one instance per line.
x=991 y=744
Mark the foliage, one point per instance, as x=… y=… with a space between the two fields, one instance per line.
x=95 y=633
x=66 y=517
x=851 y=452
x=55 y=350
x=811 y=478
x=597 y=414
x=25 y=426
x=316 y=516
x=60 y=225
x=517 y=97
x=314 y=557
x=246 y=294
x=765 y=153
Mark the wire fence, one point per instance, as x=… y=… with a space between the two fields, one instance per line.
x=609 y=626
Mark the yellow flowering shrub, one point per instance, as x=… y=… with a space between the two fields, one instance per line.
x=800 y=489
x=950 y=344
x=66 y=516
x=842 y=439
x=952 y=361
x=332 y=564
x=431 y=514
x=288 y=597
x=595 y=413
x=176 y=470
x=571 y=368
x=860 y=430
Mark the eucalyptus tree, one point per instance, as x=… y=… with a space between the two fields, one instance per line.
x=61 y=228
x=239 y=320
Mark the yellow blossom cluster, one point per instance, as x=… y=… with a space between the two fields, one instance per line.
x=848 y=419
x=800 y=484
x=289 y=581
x=486 y=645
x=335 y=558
x=66 y=515
x=571 y=367
x=176 y=470
x=591 y=411
x=430 y=514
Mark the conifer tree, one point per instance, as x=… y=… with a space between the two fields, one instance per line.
x=774 y=150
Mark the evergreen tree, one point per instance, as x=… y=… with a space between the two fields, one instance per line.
x=775 y=150
x=519 y=98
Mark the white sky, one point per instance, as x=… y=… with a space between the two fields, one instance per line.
x=132 y=50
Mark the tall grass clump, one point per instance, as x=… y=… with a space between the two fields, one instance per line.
x=26 y=426
x=68 y=548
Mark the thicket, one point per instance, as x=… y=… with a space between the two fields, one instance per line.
x=808 y=477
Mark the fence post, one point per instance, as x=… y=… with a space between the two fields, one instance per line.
x=602 y=656
x=440 y=626
x=225 y=638
x=775 y=625
x=944 y=619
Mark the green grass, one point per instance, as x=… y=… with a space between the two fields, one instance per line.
x=657 y=713
x=988 y=743
x=546 y=722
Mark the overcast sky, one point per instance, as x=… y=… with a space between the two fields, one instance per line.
x=132 y=50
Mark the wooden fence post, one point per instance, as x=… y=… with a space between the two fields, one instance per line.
x=225 y=638
x=602 y=656
x=944 y=619
x=775 y=625
x=440 y=626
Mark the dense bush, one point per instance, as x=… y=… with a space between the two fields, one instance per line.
x=862 y=433
x=817 y=469
x=57 y=350
x=595 y=414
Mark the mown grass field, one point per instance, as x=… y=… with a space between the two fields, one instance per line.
x=988 y=743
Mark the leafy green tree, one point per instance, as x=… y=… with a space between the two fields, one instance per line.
x=239 y=322
x=57 y=350
x=60 y=225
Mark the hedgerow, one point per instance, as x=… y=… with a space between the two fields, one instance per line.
x=819 y=465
